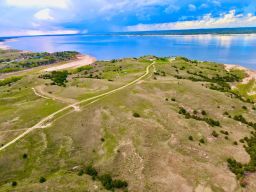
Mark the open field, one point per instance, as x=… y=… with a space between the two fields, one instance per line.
x=159 y=124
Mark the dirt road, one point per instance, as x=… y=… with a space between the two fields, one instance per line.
x=43 y=122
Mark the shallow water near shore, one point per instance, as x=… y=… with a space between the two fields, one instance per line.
x=229 y=49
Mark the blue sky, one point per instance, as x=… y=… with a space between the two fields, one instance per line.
x=35 y=17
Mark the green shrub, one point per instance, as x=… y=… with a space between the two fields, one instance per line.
x=215 y=134
x=224 y=132
x=204 y=112
x=119 y=184
x=25 y=156
x=111 y=184
x=106 y=181
x=89 y=170
x=235 y=143
x=42 y=180
x=80 y=173
x=58 y=77
x=9 y=81
x=226 y=113
x=182 y=111
x=14 y=183
x=202 y=141
x=137 y=115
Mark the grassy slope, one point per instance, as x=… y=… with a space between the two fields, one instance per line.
x=153 y=152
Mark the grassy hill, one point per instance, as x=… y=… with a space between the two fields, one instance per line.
x=180 y=126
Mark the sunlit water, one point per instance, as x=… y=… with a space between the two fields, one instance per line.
x=230 y=49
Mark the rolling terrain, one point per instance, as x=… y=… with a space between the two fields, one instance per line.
x=134 y=124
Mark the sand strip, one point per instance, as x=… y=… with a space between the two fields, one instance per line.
x=82 y=60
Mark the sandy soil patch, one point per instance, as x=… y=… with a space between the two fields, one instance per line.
x=82 y=60
x=251 y=74
x=3 y=46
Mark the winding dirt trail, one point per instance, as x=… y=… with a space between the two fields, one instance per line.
x=44 y=121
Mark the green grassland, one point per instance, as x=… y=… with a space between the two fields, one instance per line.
x=136 y=135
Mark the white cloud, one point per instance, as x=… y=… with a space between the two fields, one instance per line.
x=230 y=19
x=203 y=6
x=31 y=32
x=44 y=14
x=216 y=3
x=53 y=32
x=62 y=4
x=191 y=7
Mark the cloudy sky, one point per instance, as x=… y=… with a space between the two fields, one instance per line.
x=34 y=17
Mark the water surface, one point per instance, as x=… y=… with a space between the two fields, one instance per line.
x=231 y=49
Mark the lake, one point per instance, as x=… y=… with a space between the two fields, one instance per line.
x=231 y=49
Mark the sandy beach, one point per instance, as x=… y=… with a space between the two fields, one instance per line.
x=3 y=46
x=251 y=74
x=82 y=60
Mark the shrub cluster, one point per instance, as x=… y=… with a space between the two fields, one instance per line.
x=111 y=184
x=240 y=169
x=241 y=119
x=106 y=180
x=58 y=77
x=208 y=120
x=9 y=81
x=215 y=134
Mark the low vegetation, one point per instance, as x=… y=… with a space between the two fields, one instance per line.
x=241 y=119
x=11 y=61
x=208 y=120
x=240 y=169
x=166 y=133
x=9 y=81
x=106 y=179
x=58 y=77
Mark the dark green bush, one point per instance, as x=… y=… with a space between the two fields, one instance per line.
x=204 y=112
x=224 y=132
x=25 y=156
x=202 y=141
x=14 y=183
x=119 y=184
x=137 y=115
x=89 y=170
x=106 y=181
x=80 y=173
x=215 y=134
x=42 y=180
x=58 y=77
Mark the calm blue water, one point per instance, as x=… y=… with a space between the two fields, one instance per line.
x=230 y=49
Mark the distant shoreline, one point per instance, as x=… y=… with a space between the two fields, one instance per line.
x=209 y=31
x=5 y=46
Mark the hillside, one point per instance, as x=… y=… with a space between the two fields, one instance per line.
x=134 y=124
